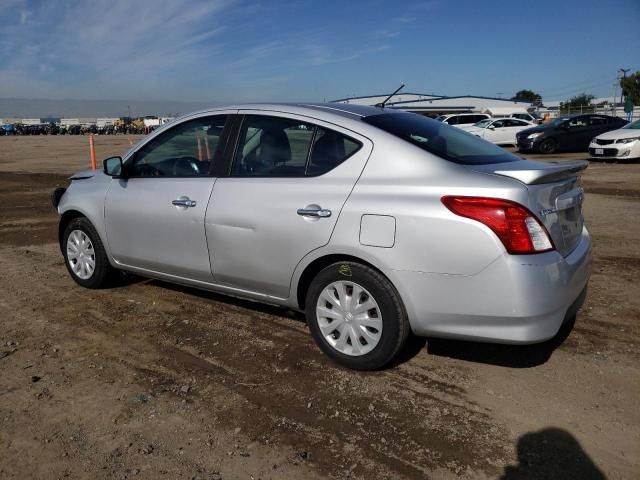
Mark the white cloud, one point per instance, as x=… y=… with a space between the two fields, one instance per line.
x=119 y=46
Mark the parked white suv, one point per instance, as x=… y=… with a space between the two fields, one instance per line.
x=459 y=119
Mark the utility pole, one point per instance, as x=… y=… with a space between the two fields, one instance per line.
x=624 y=76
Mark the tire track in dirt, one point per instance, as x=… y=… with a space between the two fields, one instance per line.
x=407 y=421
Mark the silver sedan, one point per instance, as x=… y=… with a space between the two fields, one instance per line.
x=375 y=223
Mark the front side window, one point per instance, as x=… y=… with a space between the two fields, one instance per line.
x=282 y=147
x=449 y=143
x=189 y=149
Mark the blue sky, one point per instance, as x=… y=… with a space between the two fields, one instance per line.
x=235 y=50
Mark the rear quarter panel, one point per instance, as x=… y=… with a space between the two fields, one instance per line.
x=407 y=183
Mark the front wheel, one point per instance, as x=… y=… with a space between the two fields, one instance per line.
x=548 y=145
x=356 y=316
x=84 y=254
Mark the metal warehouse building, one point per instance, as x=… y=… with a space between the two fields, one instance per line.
x=433 y=105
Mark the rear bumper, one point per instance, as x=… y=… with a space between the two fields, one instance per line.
x=516 y=299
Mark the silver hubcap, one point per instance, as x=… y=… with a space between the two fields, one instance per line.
x=80 y=254
x=349 y=318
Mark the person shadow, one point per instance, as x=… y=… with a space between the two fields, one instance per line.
x=552 y=453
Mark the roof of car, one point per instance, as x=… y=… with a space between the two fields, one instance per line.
x=341 y=109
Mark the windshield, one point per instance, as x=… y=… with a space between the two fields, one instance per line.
x=634 y=125
x=482 y=123
x=440 y=139
x=440 y=118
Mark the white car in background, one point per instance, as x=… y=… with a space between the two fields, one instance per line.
x=463 y=119
x=501 y=131
x=621 y=144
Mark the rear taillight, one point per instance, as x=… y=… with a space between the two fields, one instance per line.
x=517 y=228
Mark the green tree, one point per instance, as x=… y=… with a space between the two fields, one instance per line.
x=527 y=96
x=579 y=103
x=631 y=87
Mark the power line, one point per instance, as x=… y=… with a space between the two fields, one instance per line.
x=584 y=86
x=578 y=90
x=573 y=85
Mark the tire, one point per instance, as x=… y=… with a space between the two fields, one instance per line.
x=386 y=329
x=548 y=146
x=87 y=242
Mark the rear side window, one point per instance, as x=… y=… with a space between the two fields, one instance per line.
x=446 y=142
x=282 y=147
x=330 y=149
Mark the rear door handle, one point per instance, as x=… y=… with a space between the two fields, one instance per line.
x=314 y=212
x=183 y=202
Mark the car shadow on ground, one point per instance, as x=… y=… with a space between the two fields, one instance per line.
x=514 y=356
x=413 y=347
x=551 y=453
x=231 y=301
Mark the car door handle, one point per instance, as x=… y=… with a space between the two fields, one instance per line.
x=314 y=212
x=183 y=202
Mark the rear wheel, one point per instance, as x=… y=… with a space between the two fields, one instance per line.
x=548 y=145
x=356 y=316
x=84 y=254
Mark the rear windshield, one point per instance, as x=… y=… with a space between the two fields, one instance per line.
x=447 y=142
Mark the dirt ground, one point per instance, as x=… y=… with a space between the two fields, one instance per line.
x=150 y=380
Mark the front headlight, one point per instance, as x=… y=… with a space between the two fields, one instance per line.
x=628 y=140
x=533 y=136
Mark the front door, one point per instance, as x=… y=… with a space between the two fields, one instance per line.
x=578 y=134
x=155 y=216
x=287 y=184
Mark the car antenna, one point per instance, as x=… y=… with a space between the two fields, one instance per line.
x=384 y=102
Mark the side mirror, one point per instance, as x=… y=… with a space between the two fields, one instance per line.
x=112 y=166
x=491 y=127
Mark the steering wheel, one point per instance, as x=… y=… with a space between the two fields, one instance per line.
x=146 y=170
x=186 y=166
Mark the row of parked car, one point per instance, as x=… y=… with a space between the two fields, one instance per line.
x=603 y=136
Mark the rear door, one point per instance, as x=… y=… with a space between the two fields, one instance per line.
x=155 y=217
x=287 y=183
x=599 y=124
x=498 y=132
x=514 y=126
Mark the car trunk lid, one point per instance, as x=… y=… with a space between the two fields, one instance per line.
x=555 y=195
